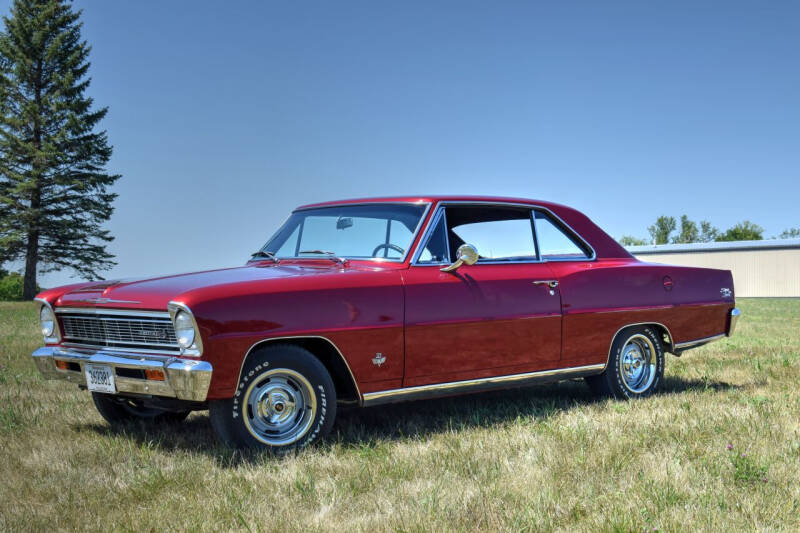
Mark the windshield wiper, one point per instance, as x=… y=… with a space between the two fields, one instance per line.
x=328 y=255
x=264 y=253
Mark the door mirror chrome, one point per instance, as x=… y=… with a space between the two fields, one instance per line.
x=465 y=255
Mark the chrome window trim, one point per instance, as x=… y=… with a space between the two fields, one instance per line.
x=300 y=337
x=56 y=337
x=444 y=203
x=437 y=217
x=422 y=219
x=574 y=233
x=481 y=384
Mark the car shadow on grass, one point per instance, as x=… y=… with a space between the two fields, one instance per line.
x=357 y=428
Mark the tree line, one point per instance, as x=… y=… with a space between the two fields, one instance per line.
x=665 y=231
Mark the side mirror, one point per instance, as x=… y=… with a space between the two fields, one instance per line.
x=465 y=255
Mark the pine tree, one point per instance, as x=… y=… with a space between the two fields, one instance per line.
x=53 y=181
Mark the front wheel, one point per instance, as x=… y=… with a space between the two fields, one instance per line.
x=635 y=366
x=285 y=400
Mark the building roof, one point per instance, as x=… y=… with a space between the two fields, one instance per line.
x=713 y=246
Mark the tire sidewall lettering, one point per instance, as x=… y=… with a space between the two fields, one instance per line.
x=238 y=405
x=659 y=366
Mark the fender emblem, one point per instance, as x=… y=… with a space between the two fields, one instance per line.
x=379 y=359
x=725 y=292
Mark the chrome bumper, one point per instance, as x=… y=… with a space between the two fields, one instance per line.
x=185 y=379
x=734 y=317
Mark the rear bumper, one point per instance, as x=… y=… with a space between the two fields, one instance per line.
x=733 y=317
x=184 y=379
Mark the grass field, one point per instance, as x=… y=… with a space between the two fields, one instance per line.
x=718 y=449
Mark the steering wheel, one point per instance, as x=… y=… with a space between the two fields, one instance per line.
x=394 y=247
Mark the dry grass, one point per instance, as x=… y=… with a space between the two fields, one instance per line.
x=536 y=459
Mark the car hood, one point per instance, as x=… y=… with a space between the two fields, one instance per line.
x=156 y=292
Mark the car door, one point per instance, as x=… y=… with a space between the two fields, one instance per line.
x=499 y=316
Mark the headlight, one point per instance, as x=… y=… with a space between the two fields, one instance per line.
x=48 y=321
x=184 y=329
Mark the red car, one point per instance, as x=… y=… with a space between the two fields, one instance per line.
x=381 y=300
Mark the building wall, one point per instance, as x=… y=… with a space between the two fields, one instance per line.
x=755 y=272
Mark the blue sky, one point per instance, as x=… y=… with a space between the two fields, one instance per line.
x=225 y=116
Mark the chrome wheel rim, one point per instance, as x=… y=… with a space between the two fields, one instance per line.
x=280 y=407
x=637 y=363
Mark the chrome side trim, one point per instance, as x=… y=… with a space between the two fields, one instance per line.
x=301 y=337
x=734 y=318
x=57 y=328
x=698 y=342
x=115 y=312
x=614 y=337
x=444 y=203
x=478 y=385
x=186 y=379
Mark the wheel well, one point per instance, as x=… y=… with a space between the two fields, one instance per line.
x=329 y=355
x=666 y=336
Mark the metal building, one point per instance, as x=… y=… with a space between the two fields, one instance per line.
x=760 y=268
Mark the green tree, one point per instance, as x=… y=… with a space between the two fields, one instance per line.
x=791 y=233
x=743 y=231
x=628 y=240
x=708 y=232
x=689 y=232
x=661 y=230
x=53 y=182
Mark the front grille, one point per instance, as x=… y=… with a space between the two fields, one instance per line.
x=119 y=331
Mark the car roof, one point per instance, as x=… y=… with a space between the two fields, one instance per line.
x=435 y=199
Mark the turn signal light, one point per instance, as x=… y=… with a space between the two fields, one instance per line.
x=154 y=375
x=62 y=365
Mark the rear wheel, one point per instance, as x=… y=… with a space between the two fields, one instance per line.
x=285 y=400
x=635 y=366
x=120 y=410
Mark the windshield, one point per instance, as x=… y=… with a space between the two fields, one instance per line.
x=372 y=231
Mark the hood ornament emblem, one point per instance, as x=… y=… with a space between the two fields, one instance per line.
x=107 y=301
x=379 y=359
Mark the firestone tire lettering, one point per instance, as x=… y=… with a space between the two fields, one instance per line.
x=227 y=415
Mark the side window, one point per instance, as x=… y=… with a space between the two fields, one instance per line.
x=435 y=249
x=554 y=242
x=498 y=233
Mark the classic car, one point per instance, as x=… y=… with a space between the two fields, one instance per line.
x=381 y=300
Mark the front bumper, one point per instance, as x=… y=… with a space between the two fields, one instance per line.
x=184 y=379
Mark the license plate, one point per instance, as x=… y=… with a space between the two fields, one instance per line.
x=100 y=378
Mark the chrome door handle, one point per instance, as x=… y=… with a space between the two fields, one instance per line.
x=552 y=283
